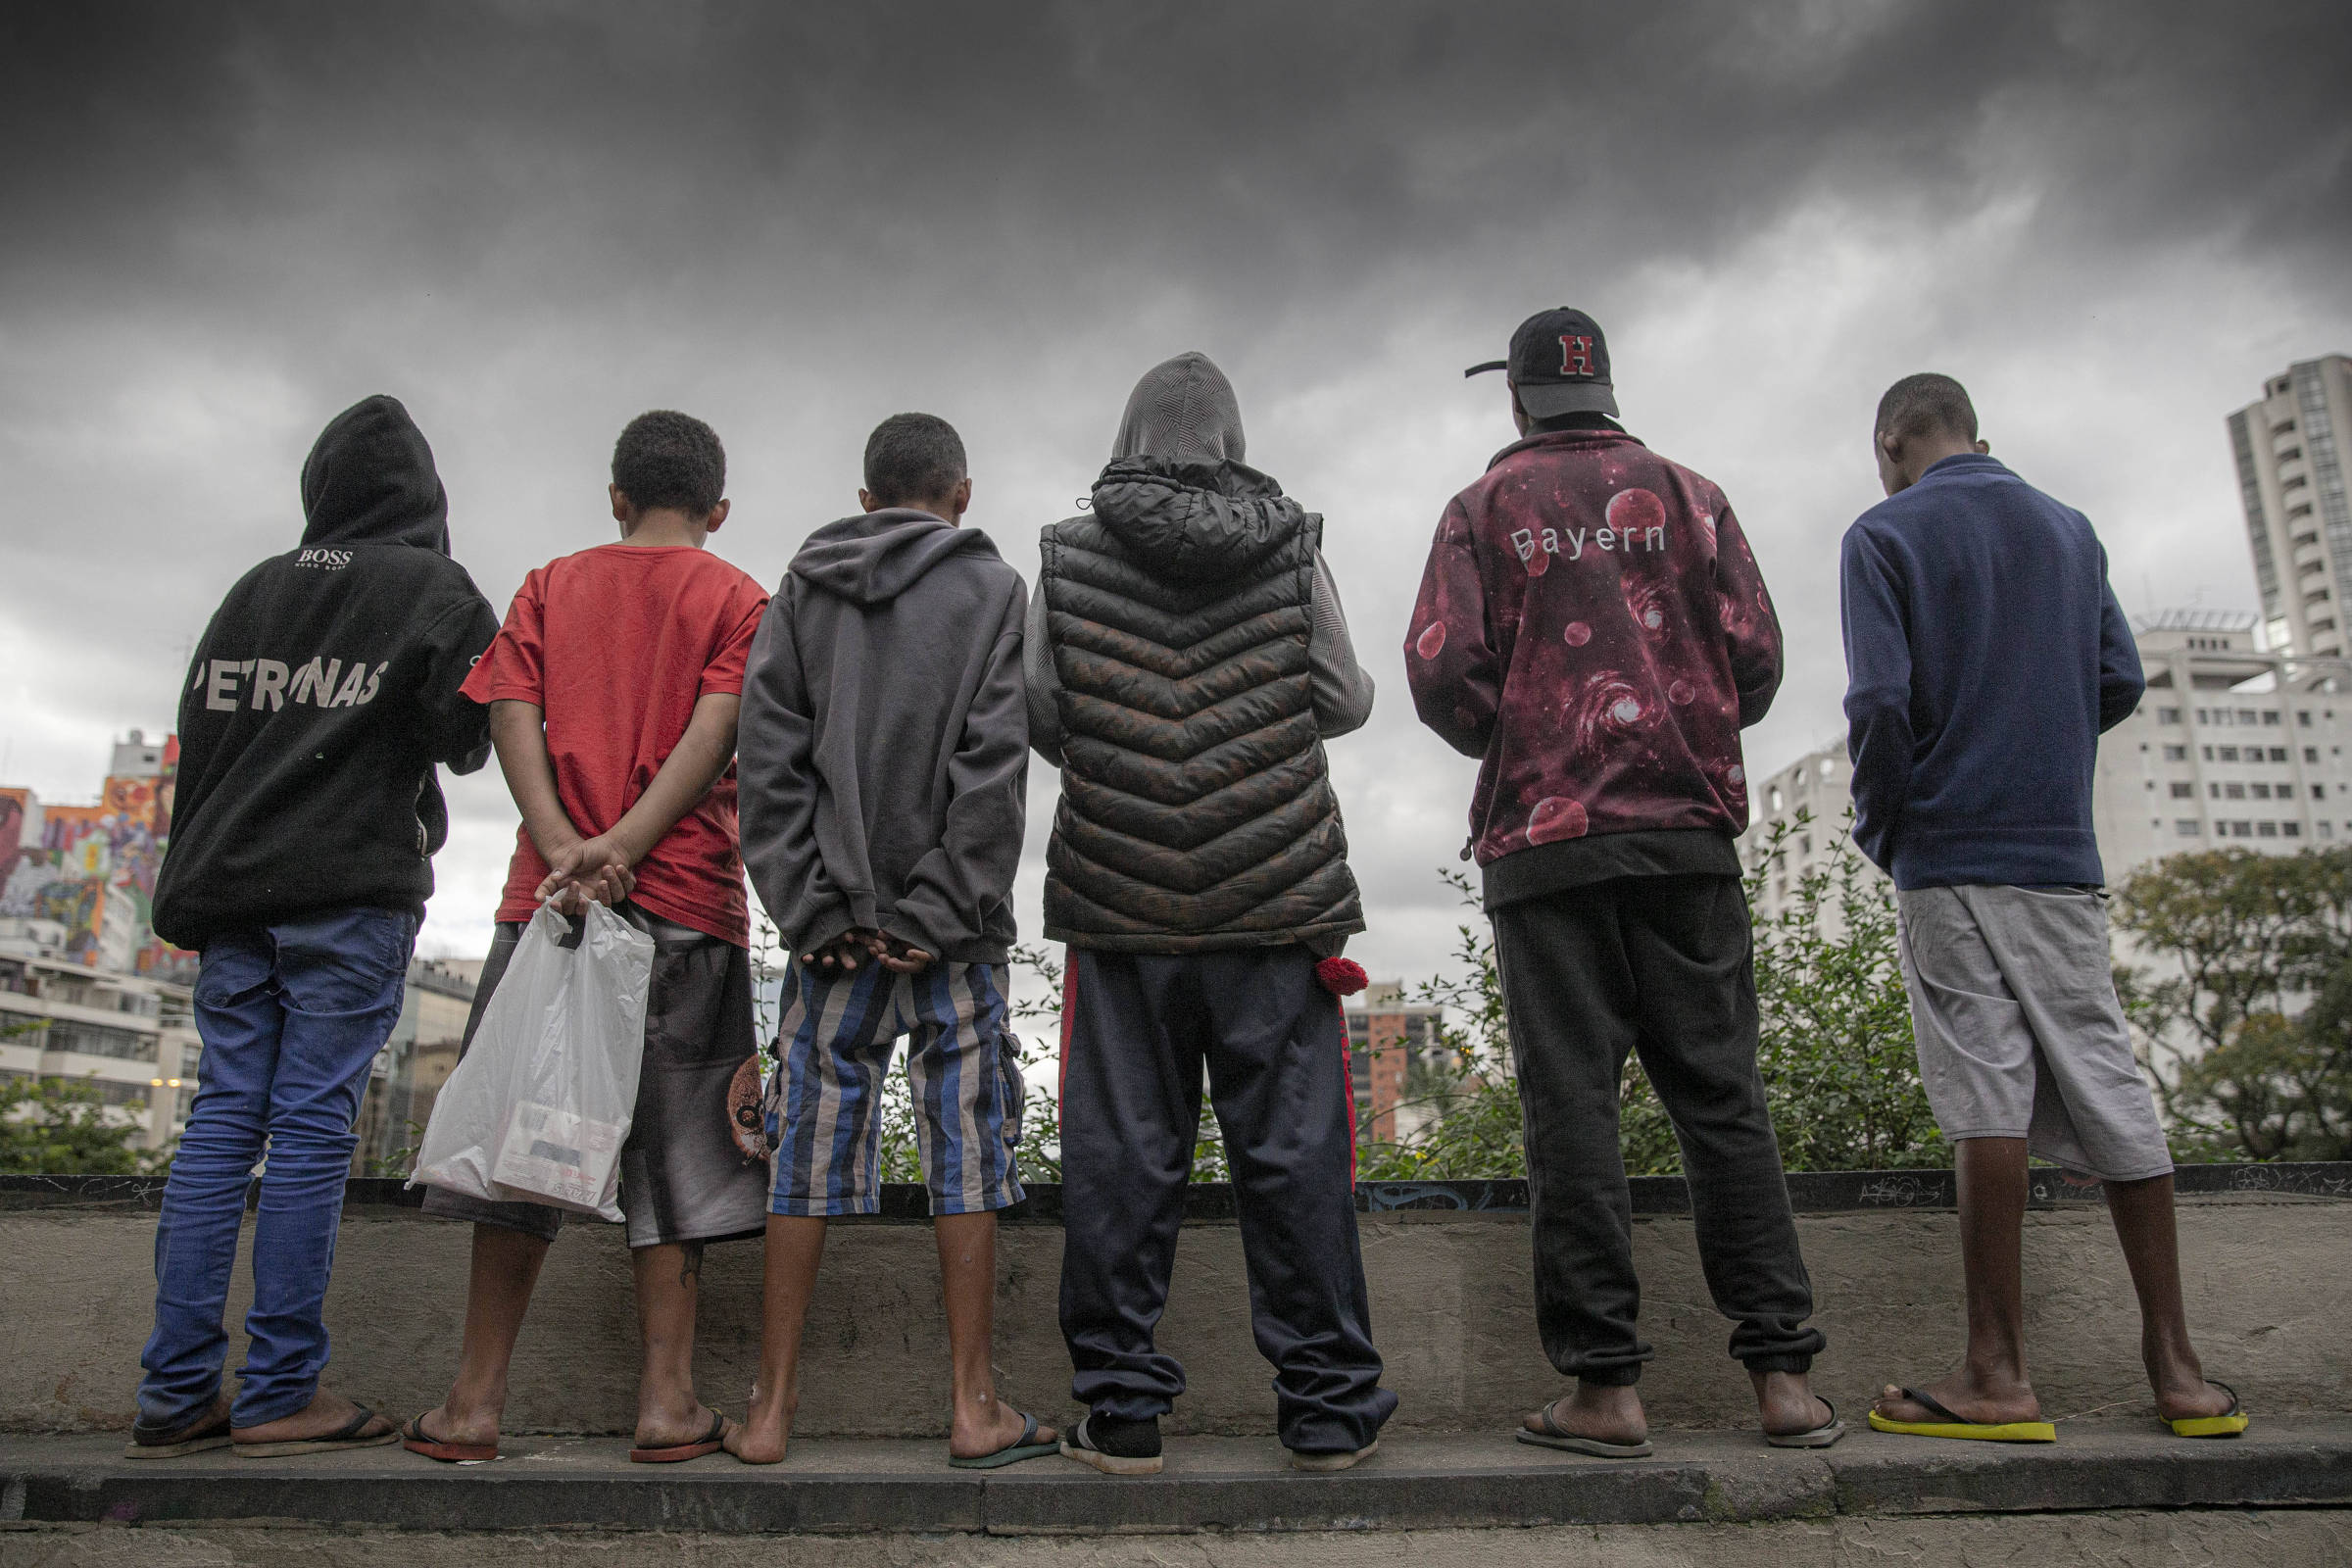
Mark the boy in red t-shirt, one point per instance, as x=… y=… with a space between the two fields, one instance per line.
x=612 y=691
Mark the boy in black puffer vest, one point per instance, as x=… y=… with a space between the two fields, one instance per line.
x=1187 y=656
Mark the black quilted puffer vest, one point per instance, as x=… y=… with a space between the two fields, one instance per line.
x=1196 y=813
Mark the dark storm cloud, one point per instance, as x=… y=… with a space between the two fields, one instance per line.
x=531 y=221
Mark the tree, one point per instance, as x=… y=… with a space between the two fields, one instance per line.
x=61 y=1126
x=2246 y=1012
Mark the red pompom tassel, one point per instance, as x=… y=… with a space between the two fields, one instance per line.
x=1342 y=977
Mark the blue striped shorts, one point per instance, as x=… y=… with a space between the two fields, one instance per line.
x=839 y=1036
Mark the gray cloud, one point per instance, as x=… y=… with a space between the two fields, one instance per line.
x=531 y=221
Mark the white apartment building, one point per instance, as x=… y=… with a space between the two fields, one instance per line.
x=2289 y=449
x=133 y=1037
x=2233 y=746
x=1819 y=784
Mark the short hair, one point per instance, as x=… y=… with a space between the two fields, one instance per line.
x=668 y=459
x=912 y=457
x=1924 y=404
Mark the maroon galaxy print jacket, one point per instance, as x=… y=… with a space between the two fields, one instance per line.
x=1592 y=626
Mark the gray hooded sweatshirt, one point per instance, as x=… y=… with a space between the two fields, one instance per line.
x=883 y=746
x=1183 y=410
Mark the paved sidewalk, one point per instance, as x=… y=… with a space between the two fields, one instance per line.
x=1417 y=1481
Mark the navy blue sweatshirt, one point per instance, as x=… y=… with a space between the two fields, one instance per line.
x=1985 y=655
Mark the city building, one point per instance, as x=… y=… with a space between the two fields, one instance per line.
x=414 y=1063
x=90 y=870
x=2233 y=746
x=2289 y=449
x=1808 y=801
x=131 y=1037
x=1394 y=1047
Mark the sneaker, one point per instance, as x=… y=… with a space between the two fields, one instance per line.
x=1114 y=1446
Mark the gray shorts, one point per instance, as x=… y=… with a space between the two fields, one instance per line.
x=682 y=1176
x=2019 y=1030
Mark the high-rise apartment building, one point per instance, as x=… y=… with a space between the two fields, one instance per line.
x=2291 y=450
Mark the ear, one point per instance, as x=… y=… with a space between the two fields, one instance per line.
x=620 y=503
x=961 y=500
x=866 y=501
x=718 y=515
x=1984 y=449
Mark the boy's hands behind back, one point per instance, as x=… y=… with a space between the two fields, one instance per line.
x=860 y=944
x=897 y=953
x=595 y=871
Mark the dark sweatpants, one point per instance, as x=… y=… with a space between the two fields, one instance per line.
x=1662 y=965
x=1276 y=1048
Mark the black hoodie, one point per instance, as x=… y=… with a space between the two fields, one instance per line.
x=322 y=693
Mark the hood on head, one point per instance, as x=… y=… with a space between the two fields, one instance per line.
x=1183 y=411
x=370 y=480
x=877 y=556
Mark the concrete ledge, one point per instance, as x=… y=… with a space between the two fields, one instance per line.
x=1211 y=1483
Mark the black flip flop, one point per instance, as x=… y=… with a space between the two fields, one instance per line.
x=710 y=1442
x=208 y=1430
x=1024 y=1447
x=1556 y=1436
x=346 y=1437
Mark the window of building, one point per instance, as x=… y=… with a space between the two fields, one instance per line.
x=2233 y=792
x=2242 y=830
x=2261 y=792
x=2247 y=716
x=96 y=1040
x=2303 y=717
x=2214 y=791
x=2206 y=717
x=2179 y=754
x=2188 y=827
x=2183 y=790
x=1828 y=767
x=2291 y=830
x=2326 y=829
x=2270 y=716
x=2290 y=454
x=2311 y=754
x=2168 y=715
x=2266 y=830
x=1775 y=797
x=2319 y=792
x=2229 y=754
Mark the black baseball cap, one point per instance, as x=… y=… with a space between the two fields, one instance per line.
x=1560 y=364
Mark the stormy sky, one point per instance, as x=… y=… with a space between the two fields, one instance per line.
x=531 y=221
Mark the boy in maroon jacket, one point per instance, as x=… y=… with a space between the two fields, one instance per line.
x=1592 y=627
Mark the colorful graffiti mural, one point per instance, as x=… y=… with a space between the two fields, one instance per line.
x=92 y=869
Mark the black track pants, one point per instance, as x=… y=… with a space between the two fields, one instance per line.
x=1276 y=1052
x=1661 y=965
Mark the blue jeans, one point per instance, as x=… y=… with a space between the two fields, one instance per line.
x=291 y=1014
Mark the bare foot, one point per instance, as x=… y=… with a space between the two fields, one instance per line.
x=325 y=1415
x=2185 y=1400
x=471 y=1427
x=1787 y=1403
x=677 y=1429
x=1589 y=1410
x=985 y=1426
x=1965 y=1399
x=765 y=1431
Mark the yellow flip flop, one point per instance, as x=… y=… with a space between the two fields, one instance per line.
x=1948 y=1425
x=2228 y=1424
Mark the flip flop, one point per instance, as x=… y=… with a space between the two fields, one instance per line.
x=1556 y=1436
x=710 y=1442
x=416 y=1440
x=1024 y=1447
x=1321 y=1461
x=2228 y=1424
x=1948 y=1425
x=1820 y=1437
x=346 y=1437
x=208 y=1430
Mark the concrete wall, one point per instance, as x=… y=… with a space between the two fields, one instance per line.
x=1452 y=1304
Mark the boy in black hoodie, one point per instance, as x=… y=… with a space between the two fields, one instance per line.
x=885 y=755
x=324 y=693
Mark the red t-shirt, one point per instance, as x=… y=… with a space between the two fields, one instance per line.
x=616 y=645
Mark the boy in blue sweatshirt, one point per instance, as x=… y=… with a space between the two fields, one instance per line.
x=1986 y=656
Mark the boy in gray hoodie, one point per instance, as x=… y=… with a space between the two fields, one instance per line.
x=884 y=756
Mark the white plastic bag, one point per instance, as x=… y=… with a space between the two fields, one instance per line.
x=540 y=1105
